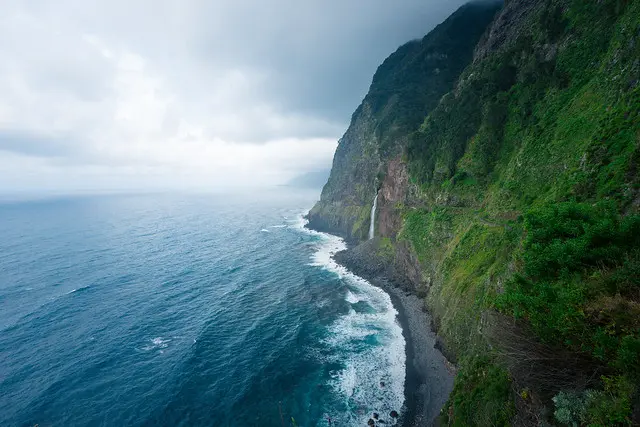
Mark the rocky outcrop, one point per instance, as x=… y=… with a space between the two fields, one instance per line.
x=378 y=259
x=506 y=28
x=393 y=194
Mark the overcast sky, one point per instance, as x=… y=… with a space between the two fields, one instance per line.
x=164 y=94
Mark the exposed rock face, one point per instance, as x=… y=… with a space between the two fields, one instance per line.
x=393 y=193
x=506 y=28
x=396 y=264
x=346 y=198
x=405 y=88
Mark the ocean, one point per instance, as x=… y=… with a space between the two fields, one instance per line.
x=188 y=310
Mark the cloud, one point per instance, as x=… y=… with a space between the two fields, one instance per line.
x=169 y=93
x=31 y=144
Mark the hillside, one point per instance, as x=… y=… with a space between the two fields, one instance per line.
x=405 y=88
x=509 y=198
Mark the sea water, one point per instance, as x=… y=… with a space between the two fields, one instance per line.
x=188 y=310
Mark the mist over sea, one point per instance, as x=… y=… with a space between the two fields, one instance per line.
x=187 y=310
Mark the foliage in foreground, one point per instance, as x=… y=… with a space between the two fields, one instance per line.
x=580 y=289
x=481 y=395
x=580 y=285
x=610 y=406
x=548 y=126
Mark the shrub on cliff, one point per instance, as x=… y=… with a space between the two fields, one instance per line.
x=579 y=290
x=610 y=406
x=572 y=254
x=481 y=395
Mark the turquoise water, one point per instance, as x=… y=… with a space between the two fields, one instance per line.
x=187 y=311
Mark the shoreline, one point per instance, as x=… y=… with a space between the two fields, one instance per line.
x=429 y=375
x=429 y=379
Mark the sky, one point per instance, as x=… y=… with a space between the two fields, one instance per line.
x=187 y=94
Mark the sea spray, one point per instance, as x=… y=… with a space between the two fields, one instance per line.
x=372 y=225
x=370 y=342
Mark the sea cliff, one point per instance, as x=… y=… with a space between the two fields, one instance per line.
x=504 y=148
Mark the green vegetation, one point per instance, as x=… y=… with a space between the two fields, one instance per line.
x=385 y=249
x=541 y=121
x=361 y=224
x=580 y=288
x=548 y=125
x=610 y=406
x=409 y=84
x=425 y=229
x=524 y=203
x=481 y=396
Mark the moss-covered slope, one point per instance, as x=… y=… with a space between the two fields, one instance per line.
x=518 y=197
x=528 y=177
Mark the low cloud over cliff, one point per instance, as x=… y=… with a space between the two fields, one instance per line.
x=173 y=94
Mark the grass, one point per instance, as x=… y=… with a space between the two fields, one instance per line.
x=481 y=395
x=556 y=137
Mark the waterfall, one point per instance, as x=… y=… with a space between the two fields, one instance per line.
x=372 y=226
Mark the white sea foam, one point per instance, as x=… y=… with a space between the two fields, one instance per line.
x=278 y=226
x=264 y=230
x=157 y=343
x=351 y=298
x=78 y=289
x=370 y=346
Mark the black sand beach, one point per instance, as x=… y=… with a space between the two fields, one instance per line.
x=429 y=376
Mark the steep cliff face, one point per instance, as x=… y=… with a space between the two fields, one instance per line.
x=513 y=204
x=536 y=148
x=405 y=88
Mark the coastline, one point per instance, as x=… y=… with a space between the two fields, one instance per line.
x=429 y=375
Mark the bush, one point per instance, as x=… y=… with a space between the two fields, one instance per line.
x=579 y=283
x=481 y=395
x=611 y=406
x=571 y=408
x=569 y=237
